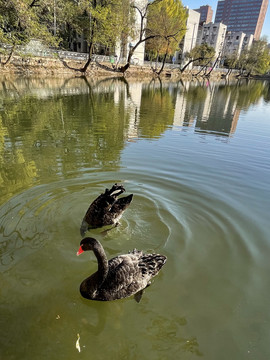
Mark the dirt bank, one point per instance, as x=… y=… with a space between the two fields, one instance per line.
x=56 y=67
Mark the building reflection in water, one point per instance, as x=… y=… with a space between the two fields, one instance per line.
x=133 y=96
x=207 y=108
x=215 y=108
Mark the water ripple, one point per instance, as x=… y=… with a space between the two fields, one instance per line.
x=155 y=220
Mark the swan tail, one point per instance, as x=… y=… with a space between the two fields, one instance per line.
x=152 y=263
x=121 y=204
x=115 y=191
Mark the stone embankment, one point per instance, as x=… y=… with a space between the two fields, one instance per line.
x=55 y=66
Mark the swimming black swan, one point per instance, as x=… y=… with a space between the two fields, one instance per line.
x=107 y=209
x=120 y=277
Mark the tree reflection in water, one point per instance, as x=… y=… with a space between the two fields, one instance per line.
x=56 y=129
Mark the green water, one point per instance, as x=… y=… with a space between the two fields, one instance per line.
x=196 y=157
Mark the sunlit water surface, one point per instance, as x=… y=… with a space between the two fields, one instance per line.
x=196 y=157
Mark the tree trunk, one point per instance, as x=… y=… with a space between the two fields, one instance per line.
x=124 y=68
x=90 y=52
x=9 y=57
x=164 y=59
x=189 y=62
x=203 y=67
x=208 y=74
x=185 y=66
x=227 y=73
x=154 y=68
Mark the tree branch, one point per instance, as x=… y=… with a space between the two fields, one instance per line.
x=34 y=3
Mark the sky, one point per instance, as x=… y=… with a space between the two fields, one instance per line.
x=195 y=4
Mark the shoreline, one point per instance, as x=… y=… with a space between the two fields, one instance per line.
x=32 y=65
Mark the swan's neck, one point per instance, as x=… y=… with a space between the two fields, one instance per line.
x=102 y=263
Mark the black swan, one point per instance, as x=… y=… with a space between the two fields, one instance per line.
x=106 y=209
x=120 y=277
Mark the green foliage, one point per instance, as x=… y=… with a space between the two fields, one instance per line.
x=22 y=20
x=125 y=25
x=166 y=21
x=231 y=60
x=203 y=53
x=256 y=60
x=100 y=21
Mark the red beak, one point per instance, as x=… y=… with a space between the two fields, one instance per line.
x=80 y=251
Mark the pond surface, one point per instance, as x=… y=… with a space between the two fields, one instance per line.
x=196 y=157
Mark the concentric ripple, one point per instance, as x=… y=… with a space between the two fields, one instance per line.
x=163 y=214
x=53 y=213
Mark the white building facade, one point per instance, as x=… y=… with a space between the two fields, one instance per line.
x=212 y=34
x=233 y=44
x=138 y=56
x=189 y=40
x=247 y=42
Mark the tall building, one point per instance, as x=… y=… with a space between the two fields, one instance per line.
x=213 y=35
x=234 y=42
x=242 y=15
x=248 y=40
x=206 y=13
x=189 y=40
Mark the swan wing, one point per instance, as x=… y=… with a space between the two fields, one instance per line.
x=124 y=278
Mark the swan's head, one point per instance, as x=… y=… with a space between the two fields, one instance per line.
x=87 y=244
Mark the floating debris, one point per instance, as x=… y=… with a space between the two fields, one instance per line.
x=57 y=317
x=78 y=343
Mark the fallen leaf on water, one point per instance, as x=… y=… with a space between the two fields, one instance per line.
x=78 y=343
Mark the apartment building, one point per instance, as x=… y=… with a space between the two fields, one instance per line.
x=206 y=13
x=233 y=43
x=242 y=15
x=212 y=34
x=189 y=40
